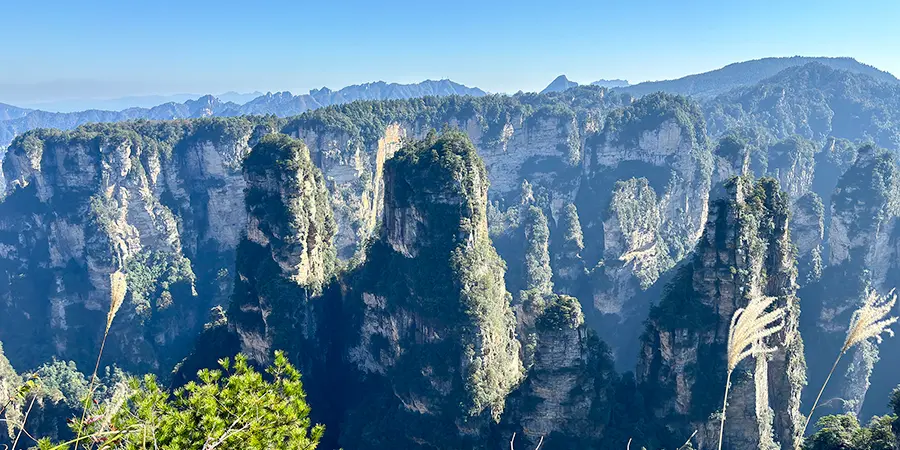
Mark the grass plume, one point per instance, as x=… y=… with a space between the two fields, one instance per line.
x=749 y=328
x=118 y=287
x=870 y=321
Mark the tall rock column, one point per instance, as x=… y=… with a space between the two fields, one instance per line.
x=434 y=329
x=642 y=205
x=286 y=255
x=863 y=247
x=745 y=251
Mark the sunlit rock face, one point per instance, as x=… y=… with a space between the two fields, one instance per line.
x=745 y=251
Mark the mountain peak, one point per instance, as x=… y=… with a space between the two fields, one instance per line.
x=561 y=83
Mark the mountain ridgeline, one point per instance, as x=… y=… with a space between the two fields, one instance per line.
x=15 y=121
x=450 y=272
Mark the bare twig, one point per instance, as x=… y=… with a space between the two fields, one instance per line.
x=688 y=441
x=24 y=419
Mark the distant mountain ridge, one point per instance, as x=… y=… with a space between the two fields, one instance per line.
x=814 y=101
x=14 y=120
x=747 y=73
x=8 y=112
x=133 y=101
x=562 y=83
x=617 y=83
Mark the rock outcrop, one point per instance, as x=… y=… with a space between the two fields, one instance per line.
x=566 y=397
x=745 y=251
x=160 y=201
x=286 y=255
x=642 y=205
x=433 y=324
x=862 y=253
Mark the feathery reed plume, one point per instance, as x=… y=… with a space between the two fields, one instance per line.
x=117 y=290
x=118 y=287
x=870 y=321
x=749 y=327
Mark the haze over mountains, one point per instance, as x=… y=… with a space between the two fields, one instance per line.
x=448 y=267
x=14 y=120
x=704 y=86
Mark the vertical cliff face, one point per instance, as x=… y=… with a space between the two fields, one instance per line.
x=792 y=163
x=287 y=254
x=745 y=250
x=566 y=397
x=544 y=146
x=433 y=323
x=862 y=247
x=160 y=201
x=10 y=381
x=642 y=204
x=808 y=234
x=568 y=265
x=353 y=170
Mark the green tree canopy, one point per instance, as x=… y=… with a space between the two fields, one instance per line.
x=232 y=408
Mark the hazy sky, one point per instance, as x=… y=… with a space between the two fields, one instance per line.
x=57 y=49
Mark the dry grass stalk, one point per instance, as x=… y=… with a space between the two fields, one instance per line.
x=118 y=287
x=24 y=421
x=870 y=321
x=746 y=336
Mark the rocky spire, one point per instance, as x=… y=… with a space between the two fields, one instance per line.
x=745 y=251
x=287 y=253
x=434 y=327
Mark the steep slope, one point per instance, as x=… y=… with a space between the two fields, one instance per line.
x=526 y=136
x=861 y=251
x=814 y=101
x=286 y=254
x=434 y=332
x=8 y=112
x=642 y=206
x=567 y=395
x=747 y=73
x=10 y=382
x=158 y=201
x=168 y=196
x=559 y=84
x=745 y=251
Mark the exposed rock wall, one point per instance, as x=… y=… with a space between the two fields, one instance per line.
x=161 y=201
x=287 y=254
x=643 y=205
x=862 y=244
x=433 y=322
x=745 y=251
x=566 y=397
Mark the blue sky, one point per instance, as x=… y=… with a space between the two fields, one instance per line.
x=61 y=48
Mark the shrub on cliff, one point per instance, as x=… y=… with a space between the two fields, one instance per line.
x=232 y=408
